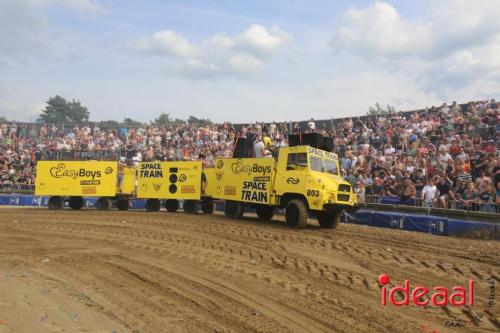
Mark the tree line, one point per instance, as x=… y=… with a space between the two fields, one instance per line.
x=58 y=110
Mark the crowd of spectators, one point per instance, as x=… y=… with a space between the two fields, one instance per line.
x=446 y=156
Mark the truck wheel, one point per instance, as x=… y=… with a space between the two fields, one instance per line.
x=55 y=203
x=329 y=220
x=264 y=212
x=190 y=206
x=233 y=209
x=153 y=205
x=207 y=206
x=296 y=214
x=103 y=203
x=76 y=203
x=171 y=205
x=122 y=204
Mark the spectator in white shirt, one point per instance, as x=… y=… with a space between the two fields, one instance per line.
x=428 y=193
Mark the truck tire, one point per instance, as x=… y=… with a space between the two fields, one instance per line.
x=171 y=205
x=55 y=203
x=264 y=212
x=329 y=220
x=103 y=203
x=233 y=209
x=296 y=214
x=190 y=206
x=153 y=205
x=75 y=203
x=207 y=206
x=122 y=204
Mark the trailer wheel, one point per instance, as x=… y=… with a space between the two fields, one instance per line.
x=296 y=214
x=171 y=205
x=207 y=206
x=233 y=209
x=122 y=204
x=55 y=203
x=76 y=203
x=190 y=206
x=103 y=203
x=264 y=212
x=153 y=205
x=329 y=220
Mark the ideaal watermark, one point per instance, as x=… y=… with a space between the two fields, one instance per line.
x=476 y=317
x=439 y=296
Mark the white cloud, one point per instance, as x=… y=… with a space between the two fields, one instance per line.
x=165 y=43
x=261 y=40
x=379 y=29
x=220 y=55
x=219 y=41
x=455 y=48
x=245 y=63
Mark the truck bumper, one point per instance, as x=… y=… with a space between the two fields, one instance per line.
x=337 y=207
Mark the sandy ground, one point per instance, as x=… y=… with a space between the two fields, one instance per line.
x=90 y=271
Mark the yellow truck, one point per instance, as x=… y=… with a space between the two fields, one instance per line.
x=303 y=181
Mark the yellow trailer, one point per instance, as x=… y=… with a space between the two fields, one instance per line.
x=170 y=182
x=73 y=180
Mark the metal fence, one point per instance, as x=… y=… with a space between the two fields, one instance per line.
x=17 y=188
x=418 y=202
x=81 y=155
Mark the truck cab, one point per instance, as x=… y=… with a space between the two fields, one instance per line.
x=312 y=176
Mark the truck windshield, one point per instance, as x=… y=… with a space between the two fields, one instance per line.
x=323 y=165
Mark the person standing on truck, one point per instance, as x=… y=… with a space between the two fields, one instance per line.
x=201 y=157
x=260 y=147
x=121 y=166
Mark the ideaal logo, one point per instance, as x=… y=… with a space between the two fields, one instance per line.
x=239 y=167
x=220 y=164
x=293 y=181
x=61 y=171
x=458 y=296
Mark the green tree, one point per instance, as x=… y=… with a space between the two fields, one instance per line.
x=165 y=119
x=109 y=124
x=3 y=119
x=199 y=121
x=129 y=122
x=378 y=110
x=59 y=110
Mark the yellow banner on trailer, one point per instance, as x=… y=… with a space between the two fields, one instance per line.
x=169 y=180
x=76 y=178
x=243 y=179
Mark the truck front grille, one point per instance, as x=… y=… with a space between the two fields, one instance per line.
x=342 y=197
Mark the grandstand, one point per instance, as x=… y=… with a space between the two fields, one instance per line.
x=443 y=157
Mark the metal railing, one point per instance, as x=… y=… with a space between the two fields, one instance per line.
x=17 y=188
x=363 y=200
x=418 y=202
x=81 y=155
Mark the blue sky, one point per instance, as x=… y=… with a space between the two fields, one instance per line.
x=244 y=61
